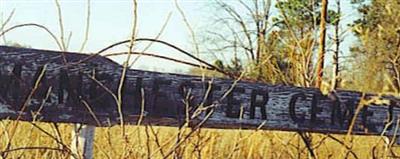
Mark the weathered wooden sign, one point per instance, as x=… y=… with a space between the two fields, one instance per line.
x=52 y=86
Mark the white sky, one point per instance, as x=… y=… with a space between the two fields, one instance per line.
x=110 y=22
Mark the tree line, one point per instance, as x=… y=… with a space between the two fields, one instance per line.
x=300 y=42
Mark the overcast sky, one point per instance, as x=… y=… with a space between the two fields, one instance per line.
x=110 y=22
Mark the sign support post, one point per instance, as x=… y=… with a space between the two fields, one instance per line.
x=82 y=141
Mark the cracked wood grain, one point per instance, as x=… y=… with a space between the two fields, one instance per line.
x=81 y=92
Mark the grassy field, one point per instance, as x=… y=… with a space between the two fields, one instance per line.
x=45 y=140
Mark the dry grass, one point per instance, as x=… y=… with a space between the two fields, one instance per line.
x=145 y=142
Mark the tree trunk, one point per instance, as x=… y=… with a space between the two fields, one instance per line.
x=321 y=54
x=335 y=77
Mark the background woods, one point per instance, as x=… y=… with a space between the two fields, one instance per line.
x=277 y=42
x=378 y=45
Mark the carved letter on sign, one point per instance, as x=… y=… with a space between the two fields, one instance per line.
x=233 y=106
x=261 y=104
x=292 y=107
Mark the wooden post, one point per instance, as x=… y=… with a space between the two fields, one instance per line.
x=82 y=141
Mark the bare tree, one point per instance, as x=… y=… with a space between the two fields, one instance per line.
x=244 y=32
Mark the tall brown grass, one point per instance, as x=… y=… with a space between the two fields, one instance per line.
x=35 y=141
